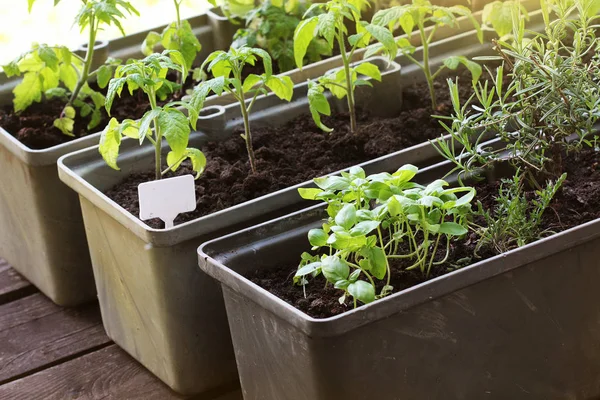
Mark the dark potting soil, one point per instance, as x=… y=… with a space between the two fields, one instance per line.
x=576 y=203
x=299 y=151
x=34 y=126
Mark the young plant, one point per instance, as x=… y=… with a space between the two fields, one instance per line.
x=168 y=122
x=330 y=25
x=516 y=219
x=271 y=27
x=376 y=219
x=179 y=36
x=422 y=14
x=45 y=68
x=551 y=102
x=226 y=67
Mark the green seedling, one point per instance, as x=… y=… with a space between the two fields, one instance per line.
x=167 y=121
x=54 y=71
x=376 y=219
x=422 y=14
x=271 y=27
x=226 y=67
x=330 y=25
x=179 y=36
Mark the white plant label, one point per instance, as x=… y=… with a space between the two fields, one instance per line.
x=167 y=198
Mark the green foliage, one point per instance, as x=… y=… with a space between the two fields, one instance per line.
x=226 y=68
x=168 y=122
x=272 y=27
x=330 y=26
x=377 y=218
x=498 y=15
x=234 y=9
x=547 y=108
x=421 y=14
x=176 y=36
x=516 y=219
x=56 y=72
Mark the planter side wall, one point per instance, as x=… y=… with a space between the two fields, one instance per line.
x=527 y=333
x=133 y=279
x=42 y=231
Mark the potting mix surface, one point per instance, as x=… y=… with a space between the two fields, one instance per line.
x=577 y=202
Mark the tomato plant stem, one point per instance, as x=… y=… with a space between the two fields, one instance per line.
x=350 y=92
x=87 y=63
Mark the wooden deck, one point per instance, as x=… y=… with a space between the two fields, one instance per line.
x=49 y=352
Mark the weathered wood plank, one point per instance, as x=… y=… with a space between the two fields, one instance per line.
x=106 y=374
x=35 y=333
x=12 y=285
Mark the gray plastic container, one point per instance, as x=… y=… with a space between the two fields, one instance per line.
x=521 y=325
x=42 y=233
x=155 y=302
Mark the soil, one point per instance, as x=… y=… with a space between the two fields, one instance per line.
x=299 y=151
x=34 y=126
x=576 y=203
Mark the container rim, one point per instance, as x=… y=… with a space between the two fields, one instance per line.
x=210 y=263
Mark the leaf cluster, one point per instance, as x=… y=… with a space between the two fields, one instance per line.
x=420 y=14
x=272 y=27
x=549 y=106
x=375 y=219
x=167 y=121
x=178 y=35
x=516 y=219
x=226 y=68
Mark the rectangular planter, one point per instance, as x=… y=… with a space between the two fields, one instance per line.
x=521 y=325
x=42 y=233
x=155 y=302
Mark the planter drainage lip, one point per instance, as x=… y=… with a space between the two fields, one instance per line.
x=190 y=229
x=209 y=262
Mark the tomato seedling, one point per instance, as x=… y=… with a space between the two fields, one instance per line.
x=421 y=13
x=45 y=68
x=179 y=36
x=149 y=76
x=330 y=25
x=226 y=67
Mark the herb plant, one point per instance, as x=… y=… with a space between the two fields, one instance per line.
x=421 y=13
x=227 y=67
x=516 y=219
x=379 y=218
x=330 y=25
x=550 y=104
x=45 y=68
x=168 y=122
x=271 y=27
x=176 y=36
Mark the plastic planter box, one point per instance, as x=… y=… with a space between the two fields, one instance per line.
x=521 y=325
x=42 y=233
x=155 y=302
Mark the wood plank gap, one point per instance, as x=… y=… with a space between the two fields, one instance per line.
x=56 y=362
